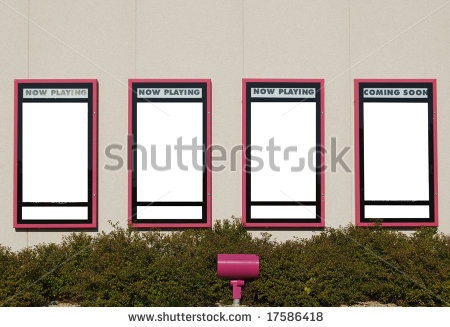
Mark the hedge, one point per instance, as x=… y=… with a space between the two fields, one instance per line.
x=126 y=267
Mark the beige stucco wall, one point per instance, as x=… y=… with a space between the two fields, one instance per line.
x=113 y=40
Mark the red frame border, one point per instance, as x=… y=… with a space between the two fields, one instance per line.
x=94 y=195
x=208 y=155
x=244 y=158
x=357 y=162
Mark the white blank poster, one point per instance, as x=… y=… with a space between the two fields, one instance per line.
x=286 y=211
x=396 y=151
x=54 y=152
x=54 y=159
x=290 y=125
x=54 y=213
x=165 y=173
x=169 y=212
x=397 y=211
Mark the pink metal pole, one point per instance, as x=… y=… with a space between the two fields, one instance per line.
x=237 y=290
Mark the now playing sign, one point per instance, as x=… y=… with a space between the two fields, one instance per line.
x=169 y=184
x=283 y=127
x=55 y=154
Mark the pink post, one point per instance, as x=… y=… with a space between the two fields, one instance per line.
x=237 y=289
x=237 y=267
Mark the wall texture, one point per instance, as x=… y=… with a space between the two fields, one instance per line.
x=225 y=41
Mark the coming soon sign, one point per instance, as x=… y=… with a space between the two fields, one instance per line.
x=396 y=152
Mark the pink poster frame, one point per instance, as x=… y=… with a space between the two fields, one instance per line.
x=94 y=155
x=358 y=217
x=272 y=224
x=172 y=225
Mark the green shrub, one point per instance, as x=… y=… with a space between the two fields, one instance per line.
x=133 y=268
